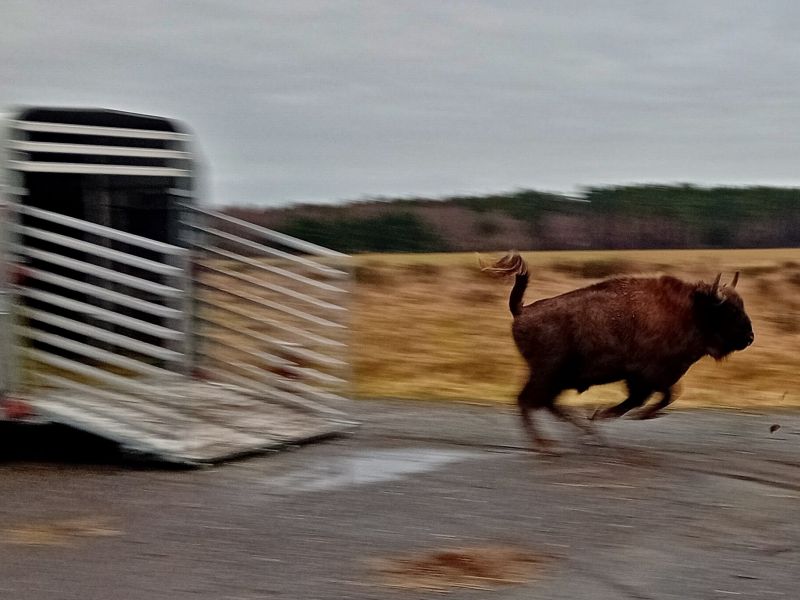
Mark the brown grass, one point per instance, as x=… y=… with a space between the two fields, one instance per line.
x=433 y=327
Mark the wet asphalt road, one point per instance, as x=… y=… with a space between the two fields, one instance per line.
x=694 y=505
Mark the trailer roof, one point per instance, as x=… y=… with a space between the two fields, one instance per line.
x=97 y=117
x=96 y=141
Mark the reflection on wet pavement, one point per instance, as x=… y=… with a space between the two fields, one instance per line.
x=369 y=466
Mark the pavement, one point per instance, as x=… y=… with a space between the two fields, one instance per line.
x=694 y=505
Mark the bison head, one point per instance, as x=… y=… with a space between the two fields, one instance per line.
x=720 y=315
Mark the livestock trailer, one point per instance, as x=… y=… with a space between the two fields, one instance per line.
x=131 y=310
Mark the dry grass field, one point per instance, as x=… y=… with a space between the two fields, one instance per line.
x=432 y=326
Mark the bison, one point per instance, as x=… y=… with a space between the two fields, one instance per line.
x=645 y=331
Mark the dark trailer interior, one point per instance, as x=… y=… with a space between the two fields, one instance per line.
x=126 y=182
x=120 y=170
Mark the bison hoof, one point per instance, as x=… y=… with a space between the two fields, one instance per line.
x=600 y=414
x=548 y=451
x=593 y=438
x=545 y=447
x=647 y=415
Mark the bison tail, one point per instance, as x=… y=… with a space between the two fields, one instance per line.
x=511 y=264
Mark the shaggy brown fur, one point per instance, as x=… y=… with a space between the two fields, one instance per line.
x=644 y=331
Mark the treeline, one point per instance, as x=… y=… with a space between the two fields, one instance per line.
x=635 y=217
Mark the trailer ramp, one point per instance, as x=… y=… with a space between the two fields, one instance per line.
x=224 y=422
x=233 y=344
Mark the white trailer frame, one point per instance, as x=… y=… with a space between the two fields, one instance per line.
x=230 y=339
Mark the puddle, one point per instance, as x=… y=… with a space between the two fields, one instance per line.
x=372 y=466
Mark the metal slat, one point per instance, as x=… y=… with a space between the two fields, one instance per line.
x=90 y=149
x=97 y=333
x=275 y=288
x=264 y=303
x=274 y=236
x=92 y=352
x=298 y=386
x=101 y=251
x=318 y=375
x=102 y=231
x=125 y=132
x=126 y=383
x=99 y=272
x=90 y=169
x=244 y=382
x=266 y=357
x=275 y=361
x=271 y=383
x=103 y=314
x=104 y=294
x=270 y=269
x=262 y=385
x=211 y=231
x=274 y=382
x=273 y=323
x=311 y=355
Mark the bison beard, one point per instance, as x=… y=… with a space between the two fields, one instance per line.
x=646 y=332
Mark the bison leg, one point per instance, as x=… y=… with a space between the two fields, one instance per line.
x=539 y=442
x=654 y=411
x=533 y=397
x=581 y=423
x=637 y=395
x=569 y=416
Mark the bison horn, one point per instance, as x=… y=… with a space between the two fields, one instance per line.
x=735 y=280
x=715 y=286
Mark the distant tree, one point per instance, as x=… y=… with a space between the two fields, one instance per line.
x=632 y=216
x=392 y=232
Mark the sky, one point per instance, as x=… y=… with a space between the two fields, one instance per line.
x=316 y=101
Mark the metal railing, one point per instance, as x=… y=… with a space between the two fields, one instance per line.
x=117 y=333
x=115 y=330
x=272 y=311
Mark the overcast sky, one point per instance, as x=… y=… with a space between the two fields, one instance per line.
x=305 y=100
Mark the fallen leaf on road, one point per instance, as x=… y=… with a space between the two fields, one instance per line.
x=476 y=568
x=61 y=532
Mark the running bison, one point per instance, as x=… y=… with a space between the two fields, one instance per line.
x=646 y=332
